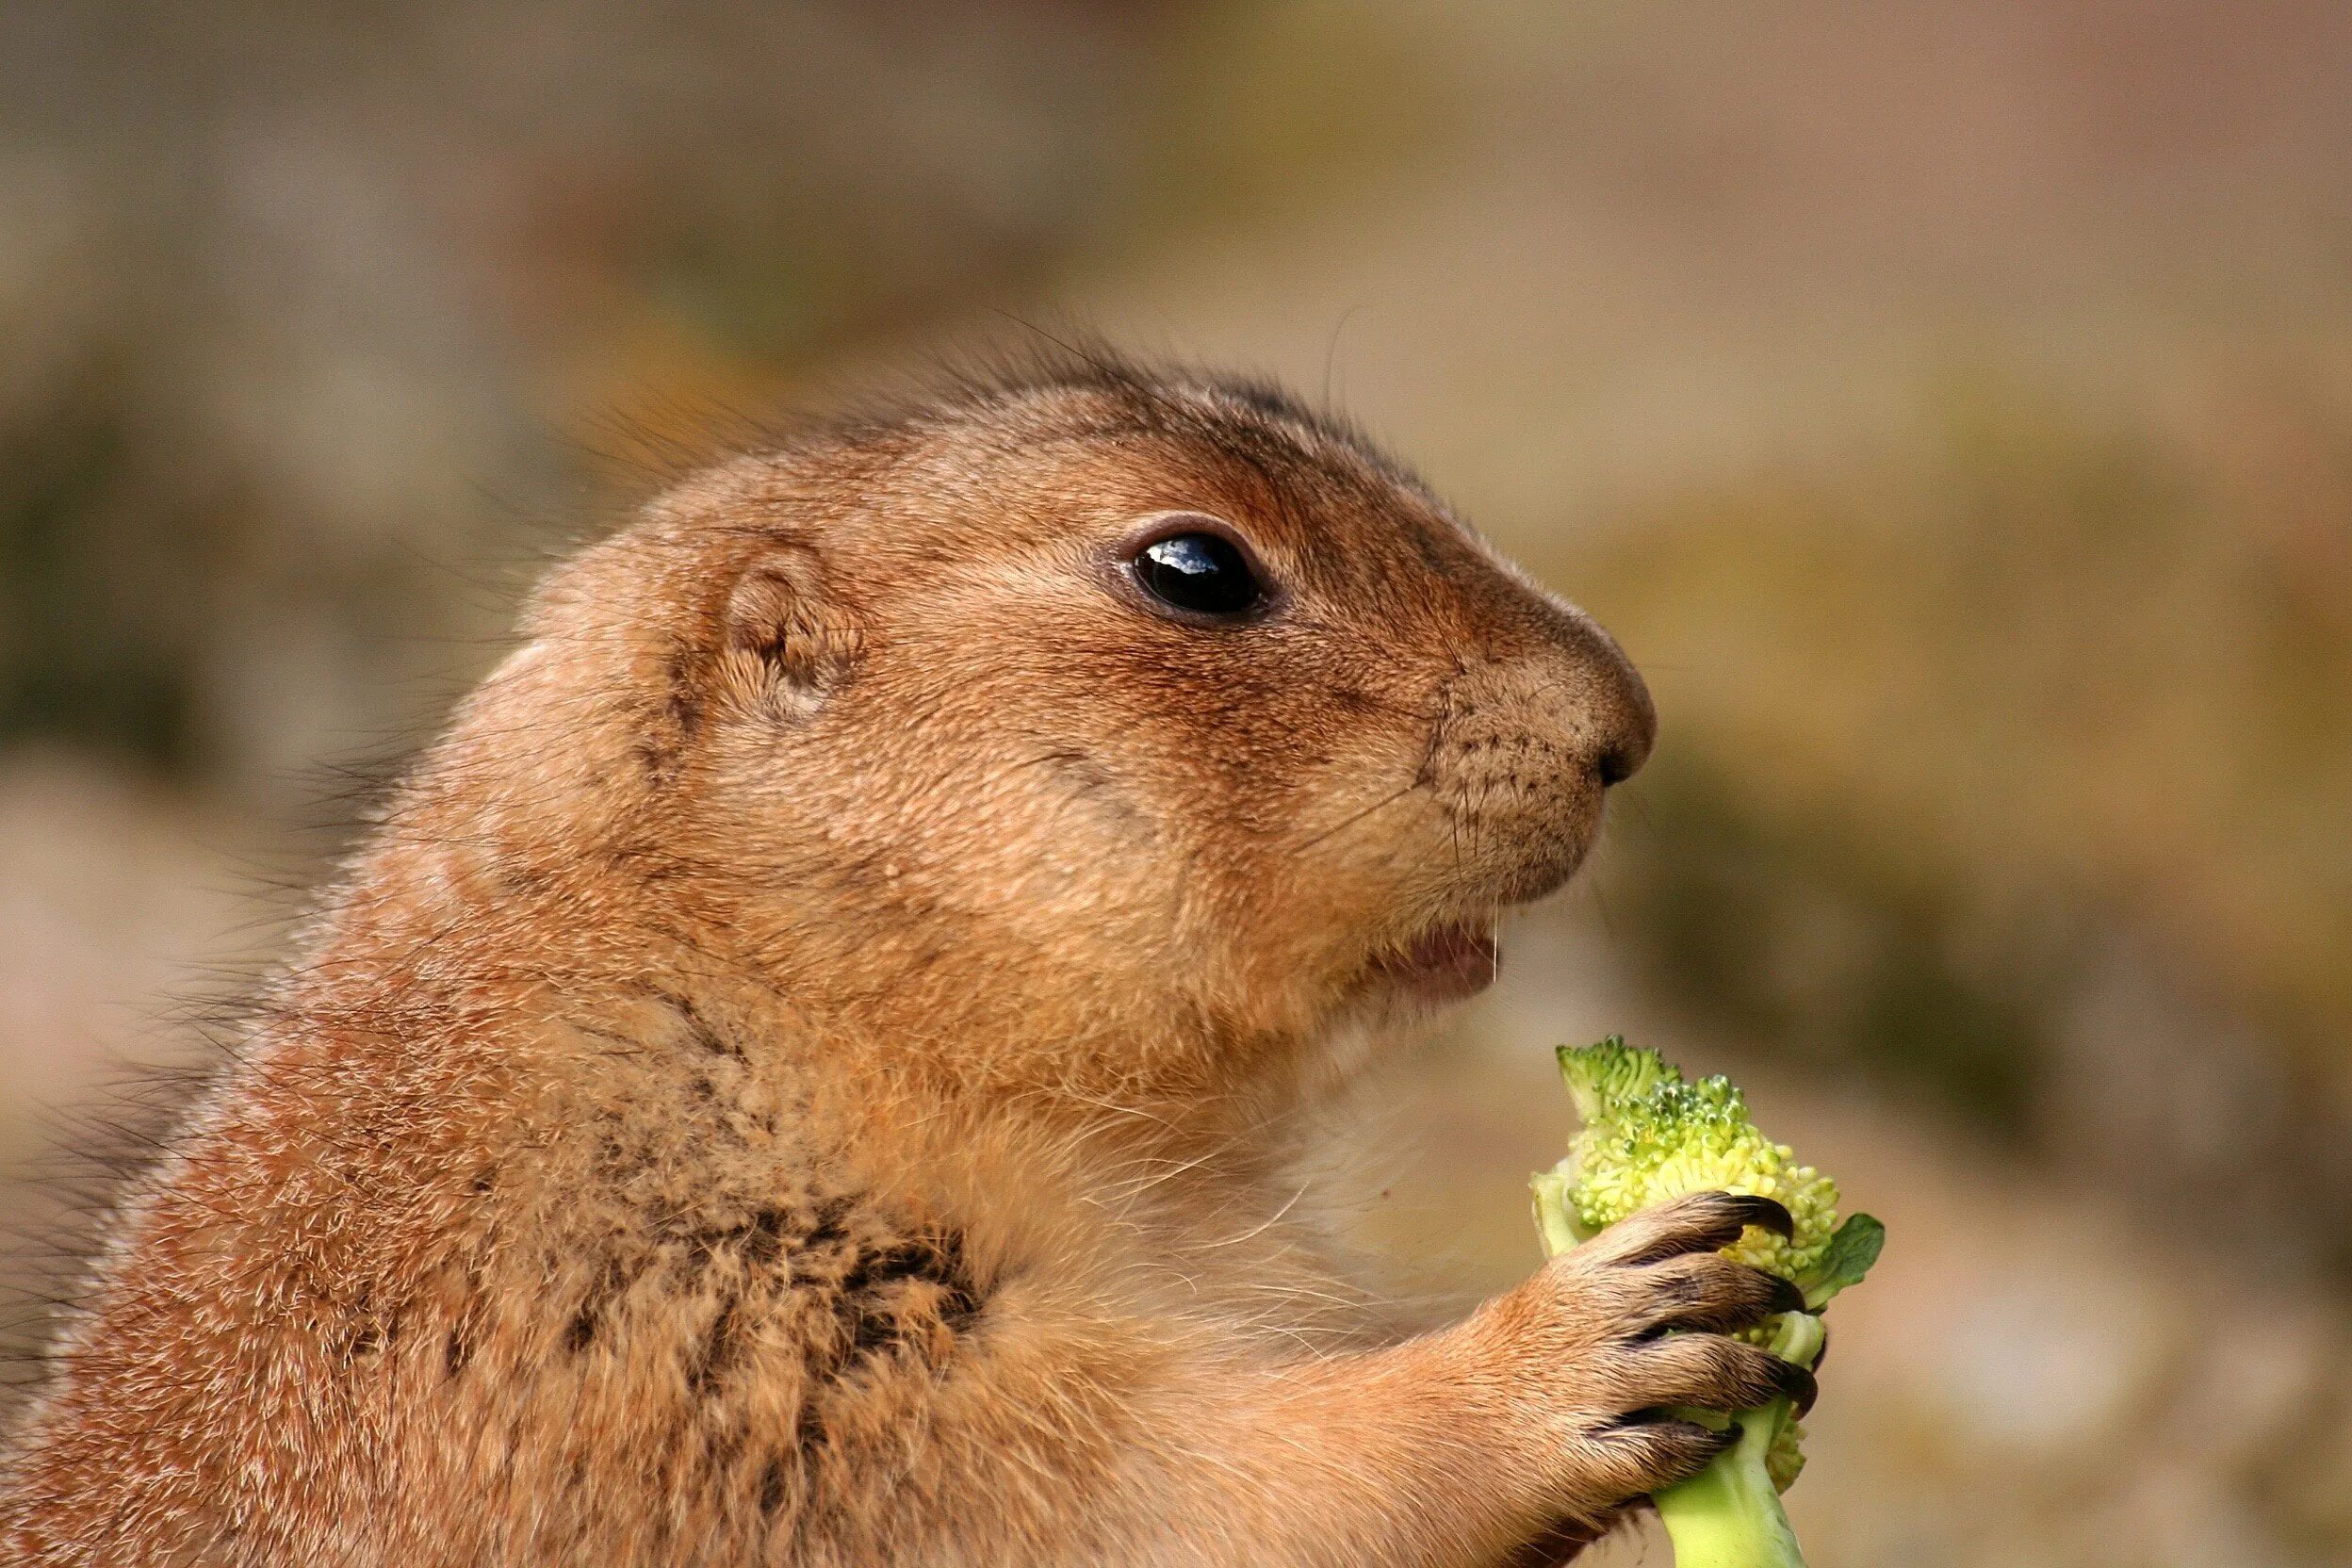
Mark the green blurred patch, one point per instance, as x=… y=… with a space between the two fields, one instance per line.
x=1796 y=935
x=94 y=648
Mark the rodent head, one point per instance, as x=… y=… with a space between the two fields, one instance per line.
x=1108 y=727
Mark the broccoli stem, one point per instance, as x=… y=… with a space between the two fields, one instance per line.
x=1729 y=1515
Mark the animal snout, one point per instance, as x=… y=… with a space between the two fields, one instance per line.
x=1567 y=720
x=1527 y=744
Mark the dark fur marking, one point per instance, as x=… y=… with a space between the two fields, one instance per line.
x=588 y=1321
x=831 y=1227
x=766 y=1240
x=695 y=1249
x=674 y=727
x=958 y=1308
x=876 y=1316
x=701 y=1030
x=809 y=1433
x=719 y=1347
x=518 y=880
x=457 y=1352
x=724 y=1439
x=938 y=1259
x=771 y=1484
x=685 y=705
x=870 y=1331
x=372 y=1335
x=657 y=760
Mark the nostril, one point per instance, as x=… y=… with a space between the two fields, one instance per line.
x=1625 y=743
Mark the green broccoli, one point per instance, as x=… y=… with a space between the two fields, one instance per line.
x=1648 y=1136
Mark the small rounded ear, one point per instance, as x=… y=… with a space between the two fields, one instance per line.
x=785 y=645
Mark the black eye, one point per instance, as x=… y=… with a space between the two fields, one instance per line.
x=1206 y=574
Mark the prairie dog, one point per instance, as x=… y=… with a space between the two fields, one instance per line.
x=794 y=1077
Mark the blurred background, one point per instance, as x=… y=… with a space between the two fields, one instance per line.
x=1949 y=405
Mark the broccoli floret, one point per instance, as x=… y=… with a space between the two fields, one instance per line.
x=1648 y=1135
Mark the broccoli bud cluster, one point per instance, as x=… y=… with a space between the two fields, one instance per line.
x=1650 y=1135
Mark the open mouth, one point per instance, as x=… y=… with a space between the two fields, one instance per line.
x=1443 y=964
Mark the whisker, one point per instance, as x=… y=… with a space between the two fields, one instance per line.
x=1265 y=1225
x=1357 y=817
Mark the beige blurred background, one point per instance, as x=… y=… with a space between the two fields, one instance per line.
x=1949 y=404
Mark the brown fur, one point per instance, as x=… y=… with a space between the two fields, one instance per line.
x=796 y=1077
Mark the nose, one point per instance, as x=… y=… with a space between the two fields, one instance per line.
x=1624 y=725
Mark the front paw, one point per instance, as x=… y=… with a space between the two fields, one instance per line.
x=1617 y=1339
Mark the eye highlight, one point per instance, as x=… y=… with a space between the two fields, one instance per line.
x=1200 y=573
